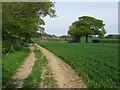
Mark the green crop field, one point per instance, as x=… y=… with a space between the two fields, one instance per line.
x=96 y=64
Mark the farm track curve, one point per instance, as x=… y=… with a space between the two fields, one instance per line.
x=65 y=76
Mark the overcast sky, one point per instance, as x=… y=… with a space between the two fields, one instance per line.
x=68 y=12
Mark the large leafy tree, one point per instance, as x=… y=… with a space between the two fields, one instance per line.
x=86 y=26
x=22 y=20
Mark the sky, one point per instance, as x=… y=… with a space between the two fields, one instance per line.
x=69 y=12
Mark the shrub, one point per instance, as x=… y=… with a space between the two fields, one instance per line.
x=106 y=41
x=5 y=47
x=110 y=41
x=66 y=40
x=72 y=41
x=96 y=41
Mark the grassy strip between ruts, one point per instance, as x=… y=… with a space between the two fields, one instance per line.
x=48 y=79
x=35 y=78
x=11 y=62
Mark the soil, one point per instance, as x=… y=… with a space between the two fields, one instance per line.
x=65 y=76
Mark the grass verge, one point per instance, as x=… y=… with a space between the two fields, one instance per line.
x=11 y=62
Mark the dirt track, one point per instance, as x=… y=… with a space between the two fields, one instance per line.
x=65 y=76
x=24 y=70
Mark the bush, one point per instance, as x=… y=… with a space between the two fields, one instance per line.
x=5 y=46
x=66 y=40
x=96 y=41
x=72 y=41
x=106 y=41
x=110 y=41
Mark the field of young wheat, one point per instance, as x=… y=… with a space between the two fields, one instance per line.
x=96 y=64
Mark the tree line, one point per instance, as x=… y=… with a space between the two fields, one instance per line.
x=20 y=20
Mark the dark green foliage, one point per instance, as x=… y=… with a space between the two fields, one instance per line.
x=97 y=64
x=96 y=41
x=66 y=40
x=21 y=20
x=5 y=47
x=110 y=41
x=73 y=41
x=106 y=41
